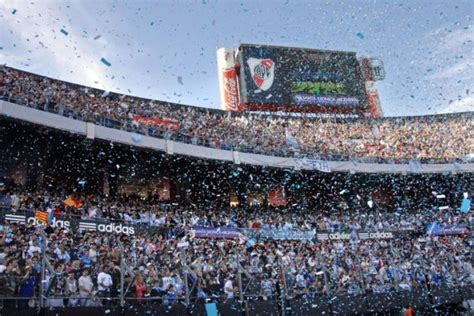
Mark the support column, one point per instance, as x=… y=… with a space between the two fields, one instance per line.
x=43 y=270
x=185 y=273
x=283 y=289
x=122 y=296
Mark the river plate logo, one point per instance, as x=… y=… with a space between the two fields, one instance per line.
x=262 y=71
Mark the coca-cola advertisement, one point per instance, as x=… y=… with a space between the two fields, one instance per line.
x=231 y=96
x=228 y=86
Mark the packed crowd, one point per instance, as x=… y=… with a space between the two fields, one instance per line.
x=151 y=212
x=86 y=267
x=436 y=138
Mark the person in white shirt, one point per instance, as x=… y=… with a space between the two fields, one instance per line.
x=229 y=288
x=300 y=280
x=85 y=288
x=15 y=201
x=104 y=283
x=71 y=289
x=167 y=280
x=33 y=248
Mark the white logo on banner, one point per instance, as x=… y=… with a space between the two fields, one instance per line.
x=88 y=226
x=109 y=228
x=56 y=223
x=15 y=218
x=381 y=235
x=262 y=72
x=339 y=236
x=320 y=165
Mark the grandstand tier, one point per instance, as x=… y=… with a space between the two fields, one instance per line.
x=427 y=139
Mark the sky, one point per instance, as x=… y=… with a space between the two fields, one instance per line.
x=166 y=50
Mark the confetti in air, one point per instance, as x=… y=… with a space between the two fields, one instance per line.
x=320 y=166
x=105 y=62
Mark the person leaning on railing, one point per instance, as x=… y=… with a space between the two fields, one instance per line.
x=86 y=292
x=104 y=284
x=139 y=290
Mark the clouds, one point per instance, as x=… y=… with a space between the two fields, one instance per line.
x=453 y=40
x=464 y=104
x=38 y=45
x=454 y=49
x=462 y=68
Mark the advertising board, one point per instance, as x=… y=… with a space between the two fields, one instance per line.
x=306 y=80
x=227 y=76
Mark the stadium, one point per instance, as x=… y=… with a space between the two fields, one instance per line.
x=318 y=238
x=297 y=197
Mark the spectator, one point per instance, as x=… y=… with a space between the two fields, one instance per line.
x=229 y=288
x=266 y=286
x=28 y=285
x=85 y=288
x=408 y=311
x=71 y=290
x=104 y=283
x=140 y=288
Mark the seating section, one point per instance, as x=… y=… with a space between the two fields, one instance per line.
x=435 y=139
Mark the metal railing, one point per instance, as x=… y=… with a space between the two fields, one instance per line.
x=286 y=287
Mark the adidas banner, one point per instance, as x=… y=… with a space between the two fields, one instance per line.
x=378 y=235
x=199 y=231
x=82 y=224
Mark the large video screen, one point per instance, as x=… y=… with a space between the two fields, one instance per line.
x=301 y=78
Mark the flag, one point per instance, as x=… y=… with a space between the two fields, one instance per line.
x=92 y=212
x=50 y=215
x=277 y=197
x=164 y=190
x=42 y=217
x=465 y=205
x=71 y=201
